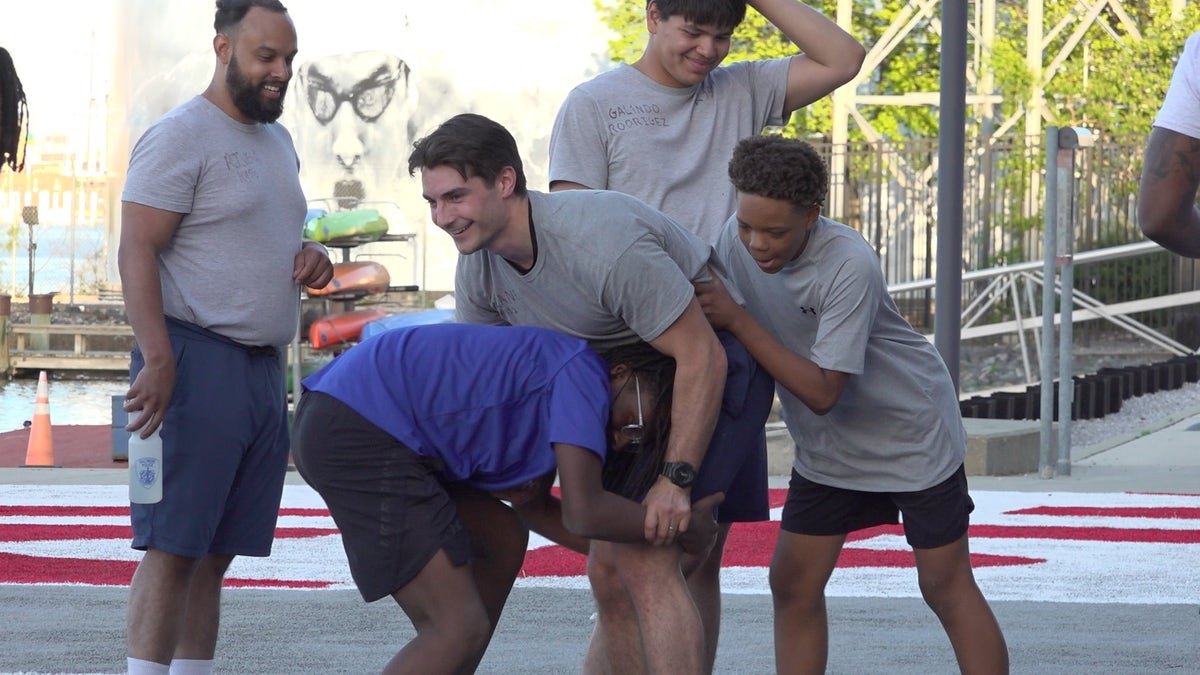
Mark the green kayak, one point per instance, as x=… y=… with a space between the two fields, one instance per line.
x=346 y=227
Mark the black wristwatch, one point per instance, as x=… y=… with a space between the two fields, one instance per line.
x=680 y=473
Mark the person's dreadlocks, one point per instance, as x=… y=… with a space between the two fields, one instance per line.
x=14 y=115
x=631 y=474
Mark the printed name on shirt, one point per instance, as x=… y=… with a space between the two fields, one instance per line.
x=635 y=116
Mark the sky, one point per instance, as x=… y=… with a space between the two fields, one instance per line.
x=60 y=75
x=61 y=52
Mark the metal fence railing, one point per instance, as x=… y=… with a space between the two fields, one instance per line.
x=889 y=193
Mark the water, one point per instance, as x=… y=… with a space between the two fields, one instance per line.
x=52 y=259
x=74 y=401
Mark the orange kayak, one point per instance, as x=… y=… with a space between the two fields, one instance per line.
x=352 y=280
x=340 y=328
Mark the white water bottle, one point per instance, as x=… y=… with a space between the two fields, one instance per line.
x=145 y=468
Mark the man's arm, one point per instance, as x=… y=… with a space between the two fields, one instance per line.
x=1167 y=210
x=146 y=232
x=831 y=56
x=699 y=386
x=816 y=387
x=588 y=511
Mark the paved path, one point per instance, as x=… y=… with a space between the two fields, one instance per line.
x=1092 y=573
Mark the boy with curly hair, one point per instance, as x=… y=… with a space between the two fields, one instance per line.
x=867 y=399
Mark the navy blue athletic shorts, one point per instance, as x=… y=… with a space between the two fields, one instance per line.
x=736 y=460
x=932 y=517
x=389 y=503
x=225 y=449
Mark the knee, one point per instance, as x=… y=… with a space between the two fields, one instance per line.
x=790 y=592
x=476 y=631
x=606 y=583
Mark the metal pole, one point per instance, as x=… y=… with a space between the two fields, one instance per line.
x=1070 y=140
x=1046 y=388
x=1064 y=258
x=952 y=113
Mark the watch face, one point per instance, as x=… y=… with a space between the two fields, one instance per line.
x=680 y=473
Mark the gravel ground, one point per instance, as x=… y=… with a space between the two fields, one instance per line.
x=1138 y=414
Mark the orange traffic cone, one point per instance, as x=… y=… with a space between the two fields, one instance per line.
x=41 y=446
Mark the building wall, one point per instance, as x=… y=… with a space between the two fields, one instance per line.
x=511 y=61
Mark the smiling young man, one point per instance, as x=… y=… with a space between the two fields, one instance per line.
x=212 y=202
x=867 y=400
x=607 y=268
x=662 y=128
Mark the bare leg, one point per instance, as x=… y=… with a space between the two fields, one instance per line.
x=667 y=618
x=451 y=622
x=949 y=588
x=498 y=543
x=202 y=618
x=799 y=571
x=704 y=582
x=616 y=643
x=158 y=599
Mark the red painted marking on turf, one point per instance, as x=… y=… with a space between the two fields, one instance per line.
x=64 y=511
x=96 y=511
x=27 y=569
x=1109 y=534
x=753 y=544
x=9 y=532
x=1165 y=512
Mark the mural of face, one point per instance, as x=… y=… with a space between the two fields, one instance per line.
x=354 y=126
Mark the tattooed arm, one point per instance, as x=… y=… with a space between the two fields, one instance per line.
x=1167 y=210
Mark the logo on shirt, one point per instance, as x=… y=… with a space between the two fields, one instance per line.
x=808 y=310
x=242 y=164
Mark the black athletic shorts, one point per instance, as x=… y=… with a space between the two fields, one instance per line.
x=932 y=517
x=390 y=503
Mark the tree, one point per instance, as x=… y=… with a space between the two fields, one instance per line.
x=1113 y=80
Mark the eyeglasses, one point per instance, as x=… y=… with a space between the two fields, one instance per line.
x=369 y=97
x=635 y=433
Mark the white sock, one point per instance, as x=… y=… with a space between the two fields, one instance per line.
x=191 y=667
x=141 y=667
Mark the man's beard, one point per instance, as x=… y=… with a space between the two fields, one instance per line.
x=246 y=96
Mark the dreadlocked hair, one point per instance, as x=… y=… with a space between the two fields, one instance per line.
x=630 y=474
x=14 y=115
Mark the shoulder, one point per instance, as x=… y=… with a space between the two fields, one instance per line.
x=745 y=71
x=845 y=248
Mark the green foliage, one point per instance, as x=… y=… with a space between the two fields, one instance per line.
x=1112 y=81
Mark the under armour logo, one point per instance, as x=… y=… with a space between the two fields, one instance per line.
x=808 y=310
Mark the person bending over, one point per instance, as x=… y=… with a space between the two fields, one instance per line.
x=414 y=437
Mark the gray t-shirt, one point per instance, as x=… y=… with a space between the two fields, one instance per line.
x=1180 y=110
x=668 y=146
x=229 y=265
x=897 y=426
x=609 y=269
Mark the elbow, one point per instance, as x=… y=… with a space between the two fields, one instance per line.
x=1154 y=223
x=855 y=58
x=821 y=408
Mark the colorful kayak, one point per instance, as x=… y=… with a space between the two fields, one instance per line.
x=353 y=280
x=346 y=227
x=407 y=319
x=337 y=329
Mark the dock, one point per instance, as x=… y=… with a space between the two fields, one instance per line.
x=34 y=347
